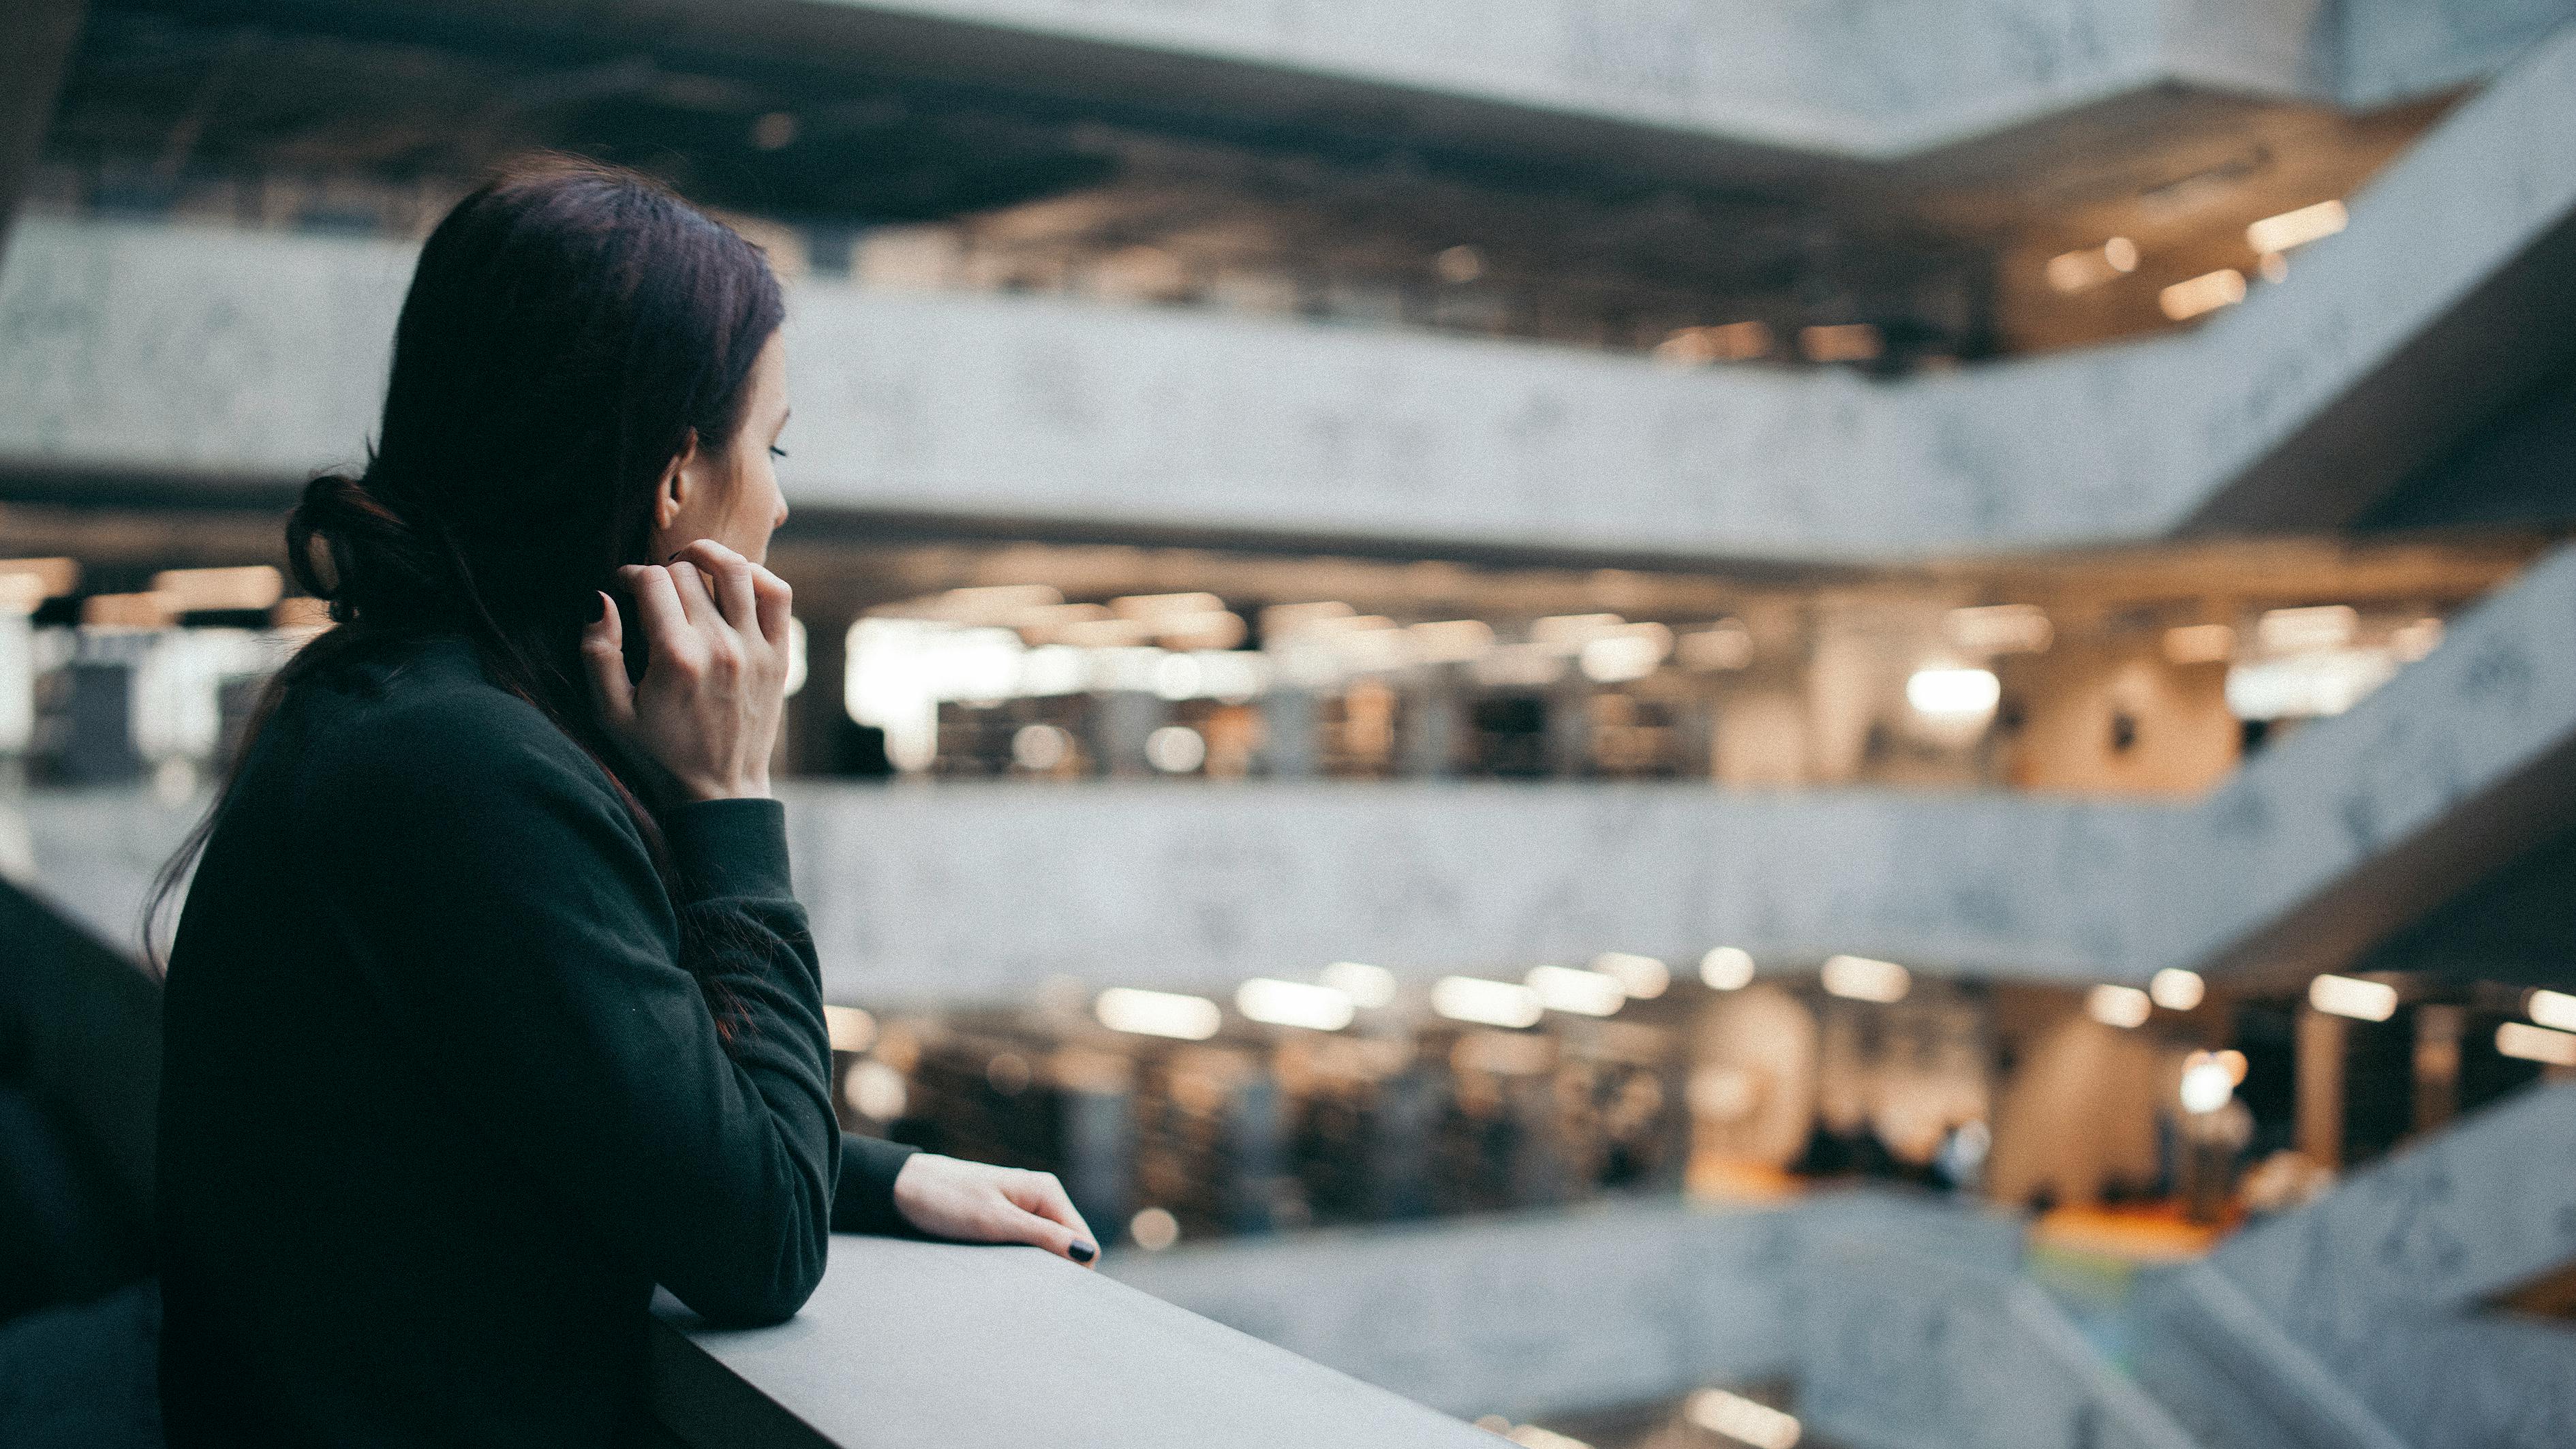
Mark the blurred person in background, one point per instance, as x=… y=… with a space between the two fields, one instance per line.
x=490 y=1006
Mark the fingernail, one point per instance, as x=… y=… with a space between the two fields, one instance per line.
x=1083 y=1252
x=599 y=608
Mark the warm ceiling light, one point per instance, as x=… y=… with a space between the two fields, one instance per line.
x=2552 y=1009
x=1157 y=1013
x=2200 y=644
x=2530 y=1043
x=51 y=576
x=1582 y=993
x=2202 y=294
x=2207 y=1083
x=1294 y=1003
x=1953 y=693
x=1742 y=1420
x=2297 y=228
x=2304 y=631
x=1858 y=978
x=1450 y=641
x=255 y=586
x=1366 y=985
x=2175 y=989
x=1459 y=264
x=1733 y=342
x=1158 y=607
x=1487 y=1003
x=2353 y=997
x=851 y=1029
x=1642 y=977
x=2120 y=1006
x=2000 y=629
x=1727 y=968
x=2089 y=267
x=1725 y=644
x=1842 y=342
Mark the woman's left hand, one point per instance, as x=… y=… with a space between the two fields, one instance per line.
x=976 y=1202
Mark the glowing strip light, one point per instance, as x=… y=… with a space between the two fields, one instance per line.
x=1582 y=993
x=2175 y=989
x=2297 y=228
x=1727 y=968
x=1487 y=1003
x=851 y=1029
x=1294 y=1003
x=1367 y=986
x=2120 y=1006
x=1642 y=977
x=1953 y=693
x=2202 y=294
x=2537 y=1044
x=1157 y=1013
x=1858 y=978
x=1740 y=1418
x=2352 y=997
x=2552 y=1009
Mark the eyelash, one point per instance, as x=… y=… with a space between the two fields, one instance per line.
x=776 y=451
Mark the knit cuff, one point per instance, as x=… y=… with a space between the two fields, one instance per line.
x=735 y=848
x=863 y=1201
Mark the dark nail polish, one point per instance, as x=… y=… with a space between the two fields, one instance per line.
x=1083 y=1252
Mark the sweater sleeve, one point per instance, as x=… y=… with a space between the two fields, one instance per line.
x=864 y=1203
x=507 y=919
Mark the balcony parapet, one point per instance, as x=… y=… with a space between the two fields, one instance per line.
x=909 y=1343
x=965 y=891
x=204 y=359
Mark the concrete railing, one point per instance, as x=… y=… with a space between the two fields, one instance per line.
x=208 y=358
x=1874 y=81
x=974 y=891
x=908 y=1344
x=1903 y=1350
x=2360 y=1322
x=1901 y=1321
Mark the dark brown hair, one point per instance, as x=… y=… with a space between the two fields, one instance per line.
x=570 y=327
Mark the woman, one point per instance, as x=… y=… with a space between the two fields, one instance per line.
x=490 y=1007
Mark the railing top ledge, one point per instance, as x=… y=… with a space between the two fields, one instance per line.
x=909 y=1343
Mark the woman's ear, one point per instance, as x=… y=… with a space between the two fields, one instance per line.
x=679 y=482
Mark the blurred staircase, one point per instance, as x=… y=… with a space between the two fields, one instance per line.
x=2387 y=1314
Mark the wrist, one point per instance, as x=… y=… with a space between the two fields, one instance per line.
x=748 y=788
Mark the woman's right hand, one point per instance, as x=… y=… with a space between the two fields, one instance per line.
x=715 y=671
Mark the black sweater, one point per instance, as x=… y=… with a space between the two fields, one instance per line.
x=441 y=1098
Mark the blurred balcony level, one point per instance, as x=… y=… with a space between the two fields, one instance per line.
x=1856 y=1318
x=2305 y=405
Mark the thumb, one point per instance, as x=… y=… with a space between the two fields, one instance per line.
x=603 y=649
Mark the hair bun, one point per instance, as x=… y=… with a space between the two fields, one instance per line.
x=371 y=560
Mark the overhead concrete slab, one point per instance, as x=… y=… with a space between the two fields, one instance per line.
x=209 y=360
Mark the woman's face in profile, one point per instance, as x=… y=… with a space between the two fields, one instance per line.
x=732 y=495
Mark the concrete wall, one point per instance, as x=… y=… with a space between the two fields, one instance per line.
x=212 y=356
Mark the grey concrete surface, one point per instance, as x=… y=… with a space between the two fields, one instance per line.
x=211 y=357
x=909 y=1344
x=2361 y=1322
x=1902 y=1320
x=1870 y=81
x=923 y=892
